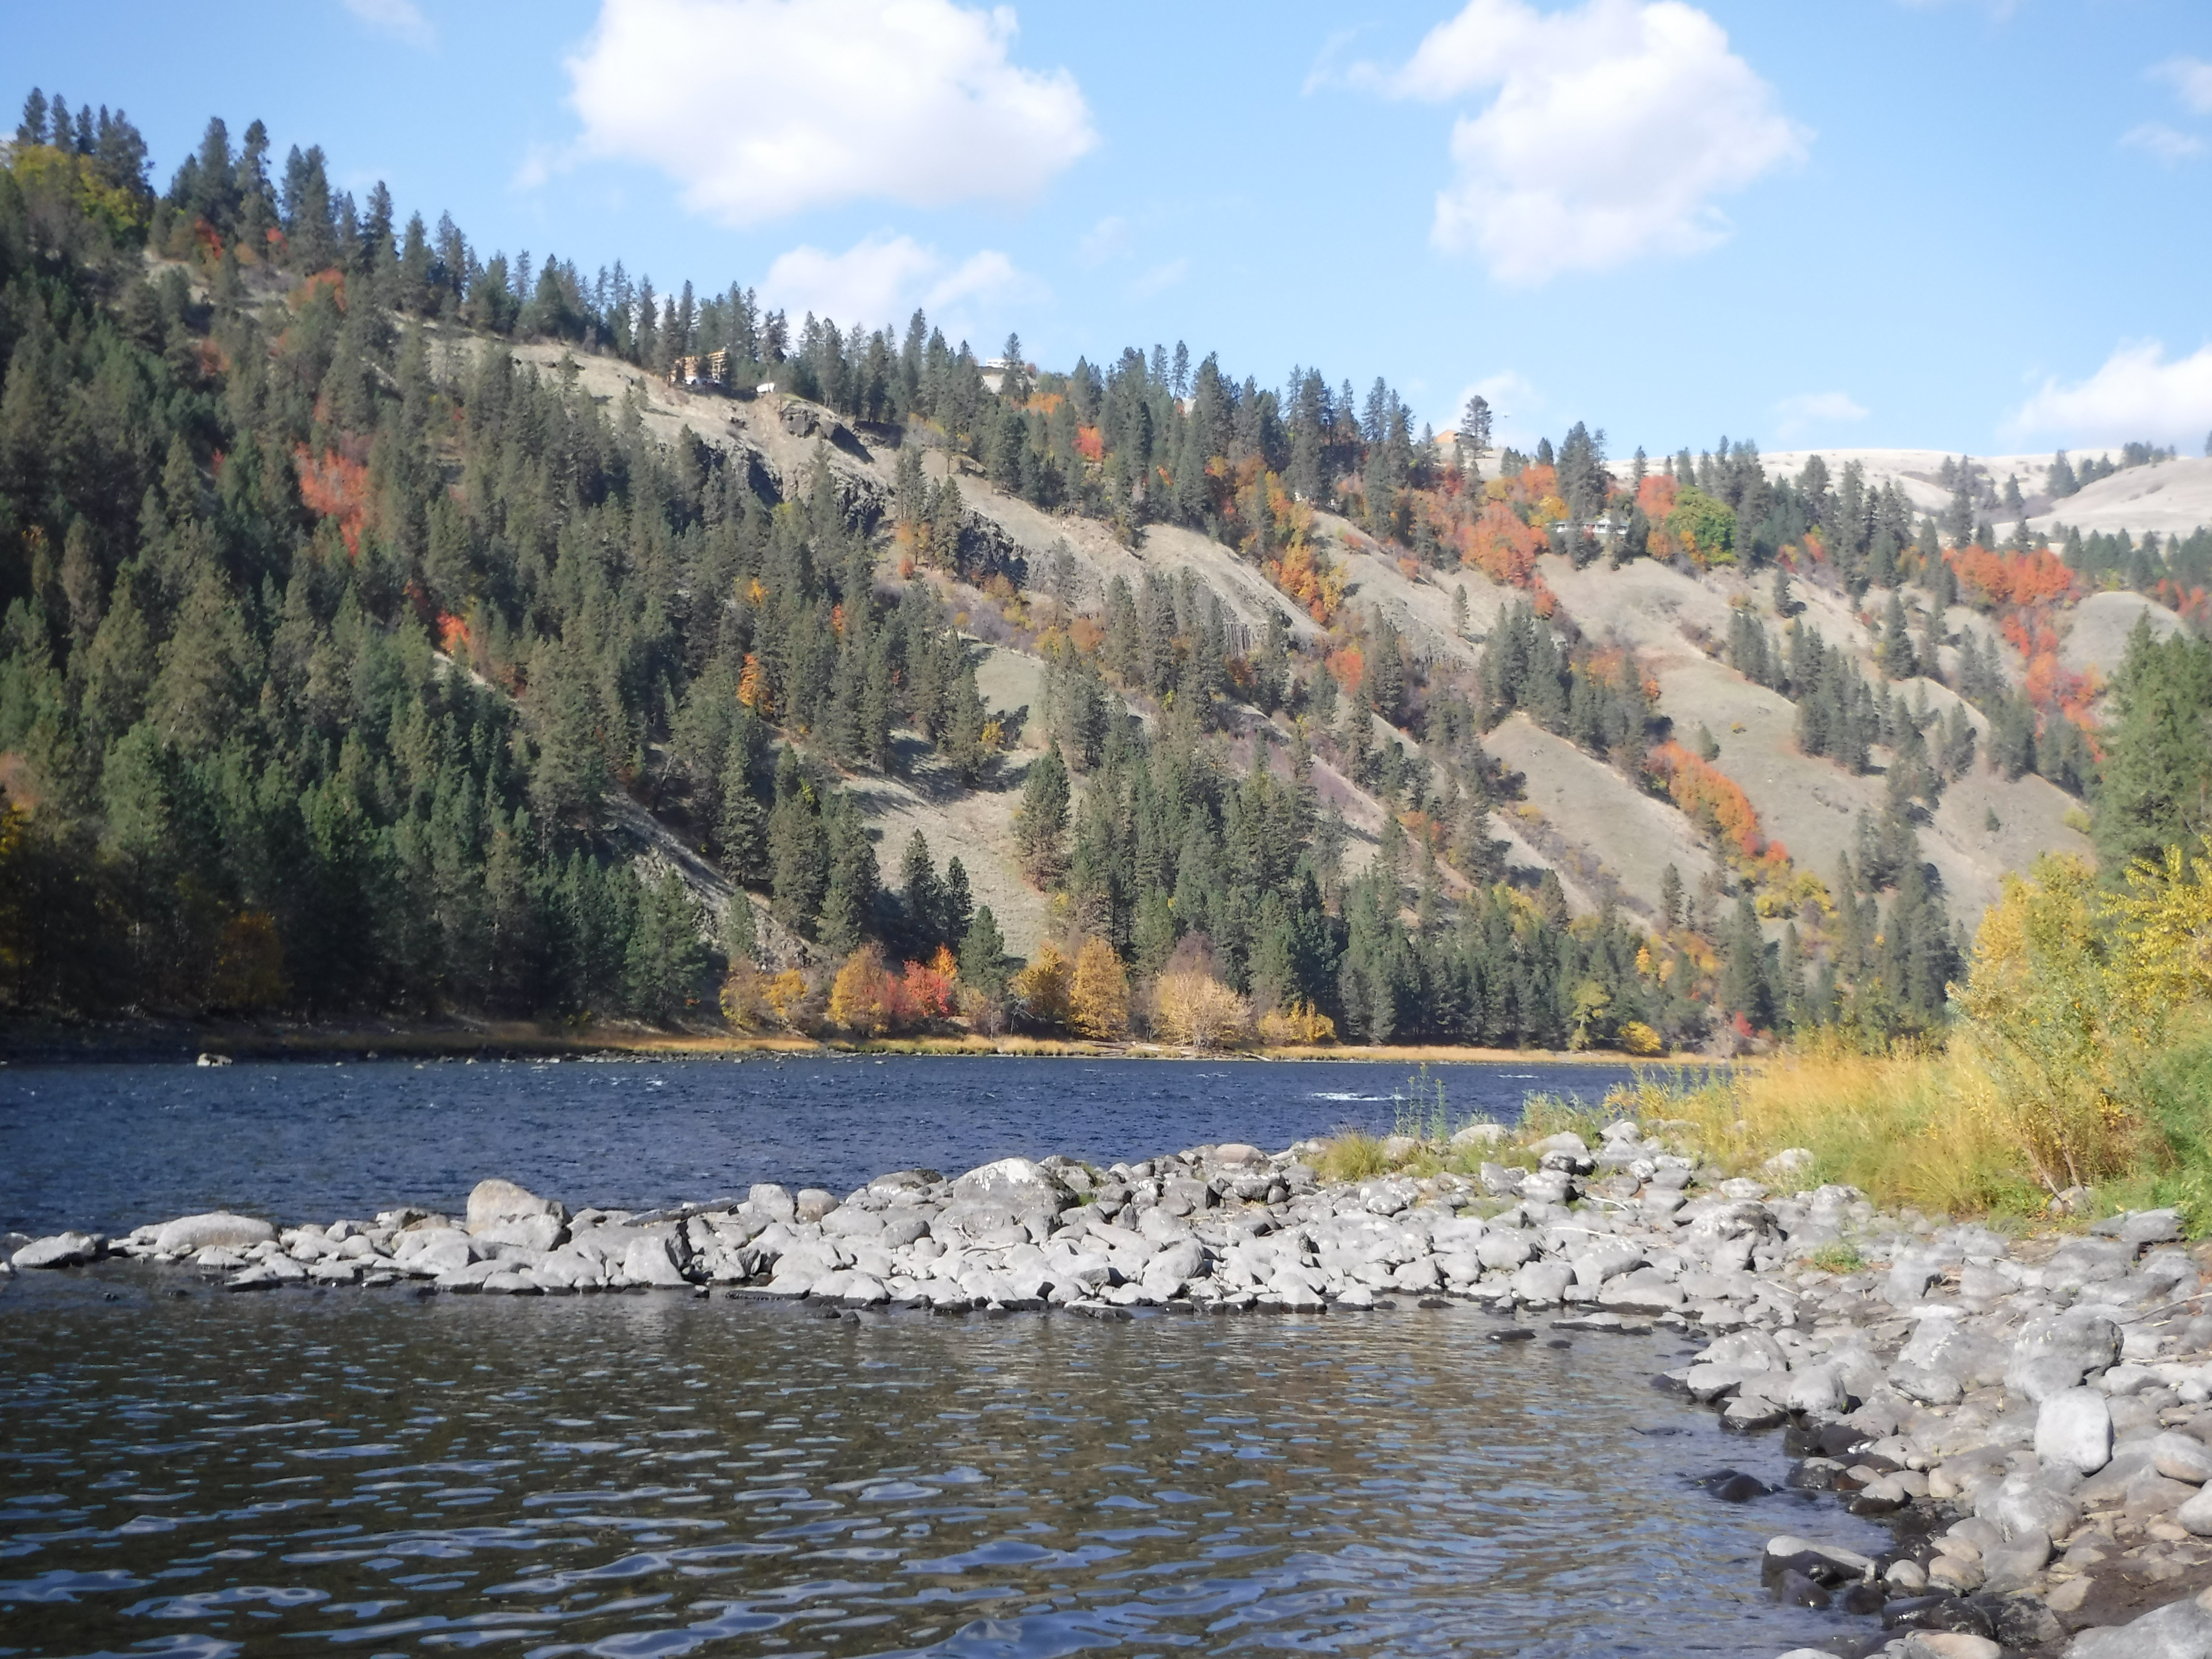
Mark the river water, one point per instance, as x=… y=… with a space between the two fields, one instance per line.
x=377 y=1471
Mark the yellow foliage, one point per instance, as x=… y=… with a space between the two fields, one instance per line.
x=2052 y=1019
x=753 y=1001
x=784 y=993
x=1197 y=1011
x=856 y=996
x=1041 y=987
x=1098 y=1001
x=1297 y=1025
x=2166 y=917
x=1637 y=1038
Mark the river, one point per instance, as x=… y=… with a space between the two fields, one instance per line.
x=378 y=1472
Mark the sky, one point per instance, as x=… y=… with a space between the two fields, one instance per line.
x=1980 y=226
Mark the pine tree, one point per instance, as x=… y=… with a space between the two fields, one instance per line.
x=983 y=965
x=923 y=896
x=958 y=905
x=1041 y=824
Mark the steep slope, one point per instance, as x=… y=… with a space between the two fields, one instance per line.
x=1604 y=837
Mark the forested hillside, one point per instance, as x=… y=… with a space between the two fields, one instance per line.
x=394 y=628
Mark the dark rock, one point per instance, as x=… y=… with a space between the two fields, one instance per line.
x=1798 y=1590
x=1734 y=1486
x=1862 y=1598
x=1521 y=1334
x=1951 y=1613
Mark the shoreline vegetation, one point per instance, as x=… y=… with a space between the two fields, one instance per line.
x=25 y=1044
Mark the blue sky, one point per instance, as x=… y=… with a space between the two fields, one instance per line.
x=1972 y=225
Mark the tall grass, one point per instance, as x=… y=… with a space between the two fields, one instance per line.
x=1909 y=1128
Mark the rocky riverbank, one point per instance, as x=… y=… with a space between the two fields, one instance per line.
x=2034 y=1416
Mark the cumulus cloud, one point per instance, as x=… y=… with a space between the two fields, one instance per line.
x=2138 y=393
x=760 y=108
x=880 y=279
x=2191 y=81
x=1811 y=409
x=1610 y=128
x=400 y=19
x=2157 y=139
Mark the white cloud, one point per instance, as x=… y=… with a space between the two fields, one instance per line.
x=2137 y=393
x=1107 y=240
x=1809 y=409
x=1160 y=278
x=880 y=279
x=1613 y=126
x=2191 y=80
x=1515 y=407
x=400 y=19
x=2157 y=139
x=760 y=108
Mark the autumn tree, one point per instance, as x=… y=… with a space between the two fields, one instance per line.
x=1099 y=995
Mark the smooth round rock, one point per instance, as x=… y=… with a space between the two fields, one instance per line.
x=2075 y=1427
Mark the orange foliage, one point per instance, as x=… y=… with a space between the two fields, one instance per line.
x=1656 y=495
x=1308 y=577
x=1349 y=667
x=2192 y=604
x=452 y=635
x=2011 y=578
x=1703 y=790
x=1544 y=601
x=928 y=988
x=1502 y=547
x=1090 y=444
x=333 y=279
x=337 y=487
x=752 y=687
x=1536 y=482
x=1086 y=636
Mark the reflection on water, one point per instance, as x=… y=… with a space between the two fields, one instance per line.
x=370 y=1473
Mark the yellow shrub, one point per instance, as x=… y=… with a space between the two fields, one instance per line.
x=1197 y=1011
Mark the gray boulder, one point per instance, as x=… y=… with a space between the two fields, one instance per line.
x=2074 y=1427
x=217 y=1230
x=529 y=1232
x=1490 y=1135
x=2086 y=1340
x=61 y=1251
x=497 y=1200
x=2180 y=1630
x=1015 y=1184
x=2182 y=1457
x=1505 y=1249
x=658 y=1255
x=772 y=1199
x=1543 y=1283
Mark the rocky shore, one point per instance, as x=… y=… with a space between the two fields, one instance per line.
x=2032 y=1416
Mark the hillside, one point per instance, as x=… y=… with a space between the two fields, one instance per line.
x=388 y=631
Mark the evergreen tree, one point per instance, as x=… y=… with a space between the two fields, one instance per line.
x=1041 y=824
